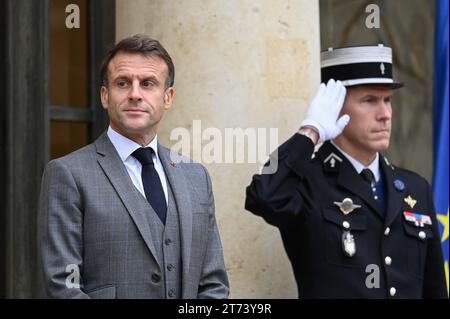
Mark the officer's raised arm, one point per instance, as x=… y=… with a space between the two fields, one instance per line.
x=276 y=197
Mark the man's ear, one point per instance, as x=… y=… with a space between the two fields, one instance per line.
x=168 y=97
x=104 y=97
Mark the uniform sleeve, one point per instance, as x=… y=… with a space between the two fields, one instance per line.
x=434 y=281
x=277 y=197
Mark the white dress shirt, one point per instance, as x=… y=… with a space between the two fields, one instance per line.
x=374 y=166
x=125 y=147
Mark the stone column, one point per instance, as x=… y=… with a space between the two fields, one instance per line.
x=239 y=65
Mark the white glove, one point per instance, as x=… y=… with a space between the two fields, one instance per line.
x=324 y=110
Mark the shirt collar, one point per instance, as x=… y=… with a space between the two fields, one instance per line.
x=125 y=147
x=374 y=166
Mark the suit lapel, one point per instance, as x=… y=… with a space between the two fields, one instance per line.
x=347 y=177
x=117 y=174
x=394 y=196
x=179 y=186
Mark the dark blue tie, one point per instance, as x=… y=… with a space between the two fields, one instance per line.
x=368 y=176
x=376 y=188
x=152 y=184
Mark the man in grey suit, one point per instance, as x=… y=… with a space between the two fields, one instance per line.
x=124 y=217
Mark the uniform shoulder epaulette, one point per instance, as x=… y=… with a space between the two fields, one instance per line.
x=410 y=173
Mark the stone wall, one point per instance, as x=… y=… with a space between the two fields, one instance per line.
x=239 y=64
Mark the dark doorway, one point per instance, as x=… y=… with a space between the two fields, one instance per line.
x=50 y=106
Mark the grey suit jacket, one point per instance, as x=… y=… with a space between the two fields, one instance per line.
x=92 y=224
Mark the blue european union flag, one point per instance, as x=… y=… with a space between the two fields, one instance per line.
x=440 y=124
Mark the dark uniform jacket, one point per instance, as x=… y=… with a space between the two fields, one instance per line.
x=395 y=258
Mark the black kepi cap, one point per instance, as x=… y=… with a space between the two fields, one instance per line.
x=359 y=65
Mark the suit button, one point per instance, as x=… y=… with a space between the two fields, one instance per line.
x=387 y=231
x=346 y=224
x=167 y=242
x=155 y=278
x=392 y=291
x=171 y=293
x=388 y=260
x=170 y=267
x=422 y=235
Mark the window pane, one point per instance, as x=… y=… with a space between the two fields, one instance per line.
x=66 y=137
x=67 y=75
x=68 y=61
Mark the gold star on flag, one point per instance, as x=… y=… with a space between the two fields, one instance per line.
x=443 y=219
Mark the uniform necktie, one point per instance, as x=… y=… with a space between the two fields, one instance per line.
x=368 y=176
x=376 y=188
x=152 y=184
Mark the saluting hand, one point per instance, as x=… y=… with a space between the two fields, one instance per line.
x=324 y=110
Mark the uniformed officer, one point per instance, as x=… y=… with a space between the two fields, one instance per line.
x=353 y=225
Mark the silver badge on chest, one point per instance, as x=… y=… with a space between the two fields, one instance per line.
x=346 y=206
x=348 y=243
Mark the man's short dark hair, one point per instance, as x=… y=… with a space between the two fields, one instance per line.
x=139 y=44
